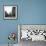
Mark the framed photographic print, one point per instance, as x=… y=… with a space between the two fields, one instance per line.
x=32 y=32
x=10 y=12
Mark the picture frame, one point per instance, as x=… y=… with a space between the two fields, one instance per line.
x=33 y=31
x=10 y=12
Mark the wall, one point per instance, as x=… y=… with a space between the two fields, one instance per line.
x=29 y=12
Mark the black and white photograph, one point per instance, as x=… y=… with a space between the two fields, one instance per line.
x=10 y=12
x=31 y=34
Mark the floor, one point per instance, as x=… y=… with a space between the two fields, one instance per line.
x=7 y=45
x=31 y=43
x=28 y=43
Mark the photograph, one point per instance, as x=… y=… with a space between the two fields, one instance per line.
x=33 y=32
x=10 y=12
